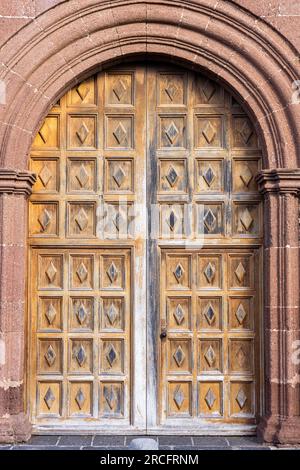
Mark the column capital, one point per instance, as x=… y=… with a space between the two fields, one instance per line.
x=279 y=180
x=16 y=181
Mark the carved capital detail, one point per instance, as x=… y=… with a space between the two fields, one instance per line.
x=16 y=181
x=279 y=180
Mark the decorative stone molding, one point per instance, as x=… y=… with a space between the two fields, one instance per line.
x=279 y=180
x=16 y=182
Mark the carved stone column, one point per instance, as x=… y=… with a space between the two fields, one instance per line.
x=15 y=186
x=281 y=420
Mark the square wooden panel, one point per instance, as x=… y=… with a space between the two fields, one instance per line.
x=209 y=313
x=118 y=220
x=81 y=272
x=209 y=275
x=172 y=131
x=209 y=131
x=178 y=272
x=171 y=89
x=244 y=135
x=50 y=356
x=82 y=131
x=112 y=272
x=81 y=175
x=81 y=313
x=112 y=360
x=209 y=219
x=50 y=272
x=83 y=94
x=208 y=92
x=209 y=175
x=241 y=356
x=81 y=219
x=210 y=358
x=246 y=219
x=119 y=175
x=48 y=137
x=242 y=398
x=119 y=132
x=179 y=396
x=241 y=312
x=49 y=399
x=243 y=175
x=50 y=313
x=179 y=356
x=172 y=175
x=47 y=171
x=119 y=88
x=240 y=271
x=173 y=220
x=80 y=356
x=80 y=399
x=210 y=395
x=43 y=219
x=179 y=313
x=111 y=399
x=113 y=313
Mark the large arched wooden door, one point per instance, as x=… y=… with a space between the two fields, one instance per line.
x=144 y=257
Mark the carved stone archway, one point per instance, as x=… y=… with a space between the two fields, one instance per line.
x=68 y=42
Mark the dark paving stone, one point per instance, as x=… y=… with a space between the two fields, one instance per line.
x=130 y=438
x=178 y=447
x=165 y=447
x=116 y=441
x=5 y=447
x=243 y=441
x=43 y=441
x=105 y=449
x=175 y=441
x=206 y=441
x=40 y=448
x=75 y=441
x=252 y=448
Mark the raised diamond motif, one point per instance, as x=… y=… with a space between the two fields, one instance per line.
x=82 y=219
x=246 y=175
x=112 y=314
x=111 y=355
x=246 y=219
x=210 y=398
x=178 y=396
x=171 y=90
x=81 y=313
x=209 y=220
x=179 y=356
x=209 y=314
x=246 y=132
x=209 y=176
x=82 y=176
x=44 y=132
x=209 y=132
x=241 y=398
x=179 y=314
x=240 y=314
x=81 y=356
x=172 y=176
x=118 y=220
x=80 y=398
x=179 y=272
x=50 y=314
x=210 y=356
x=82 y=132
x=171 y=220
x=208 y=89
x=112 y=272
x=119 y=176
x=240 y=272
x=44 y=219
x=45 y=175
x=110 y=396
x=241 y=357
x=172 y=132
x=51 y=272
x=119 y=89
x=50 y=356
x=82 y=90
x=210 y=272
x=120 y=133
x=82 y=272
x=49 y=398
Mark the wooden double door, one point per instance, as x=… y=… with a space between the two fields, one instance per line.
x=145 y=228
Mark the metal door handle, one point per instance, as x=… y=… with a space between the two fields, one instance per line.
x=163 y=334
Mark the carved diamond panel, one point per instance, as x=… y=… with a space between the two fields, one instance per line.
x=83 y=94
x=119 y=132
x=209 y=93
x=119 y=88
x=81 y=175
x=210 y=399
x=209 y=175
x=241 y=398
x=81 y=315
x=82 y=132
x=179 y=398
x=81 y=356
x=44 y=219
x=210 y=355
x=81 y=272
x=49 y=399
x=246 y=219
x=209 y=313
x=82 y=220
x=208 y=132
x=49 y=309
x=171 y=89
x=241 y=271
x=112 y=356
x=49 y=356
x=209 y=272
x=172 y=220
x=178 y=272
x=48 y=135
x=243 y=175
x=80 y=401
x=179 y=356
x=210 y=219
x=47 y=174
x=119 y=175
x=244 y=135
x=50 y=272
x=172 y=132
x=179 y=313
x=173 y=175
x=112 y=275
x=112 y=399
x=113 y=313
x=241 y=356
x=241 y=312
